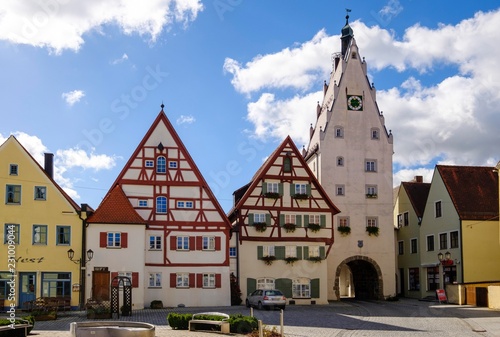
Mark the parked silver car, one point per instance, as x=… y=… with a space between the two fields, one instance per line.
x=262 y=298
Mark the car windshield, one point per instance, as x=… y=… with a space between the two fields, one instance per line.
x=273 y=293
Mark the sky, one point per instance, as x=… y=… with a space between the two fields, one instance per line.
x=85 y=80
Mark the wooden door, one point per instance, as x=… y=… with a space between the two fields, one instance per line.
x=100 y=285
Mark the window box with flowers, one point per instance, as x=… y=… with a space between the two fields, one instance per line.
x=344 y=230
x=372 y=230
x=269 y=259
x=289 y=227
x=372 y=195
x=272 y=195
x=291 y=259
x=314 y=227
x=260 y=226
x=315 y=259
x=301 y=196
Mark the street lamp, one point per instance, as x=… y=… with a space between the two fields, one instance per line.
x=82 y=262
x=71 y=255
x=445 y=259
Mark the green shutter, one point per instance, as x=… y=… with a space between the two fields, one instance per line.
x=251 y=285
x=299 y=252
x=282 y=220
x=260 y=252
x=280 y=188
x=308 y=189
x=268 y=219
x=264 y=187
x=292 y=189
x=315 y=288
x=285 y=285
x=306 y=252
x=322 y=220
x=298 y=220
x=306 y=220
x=279 y=252
x=250 y=219
x=322 y=252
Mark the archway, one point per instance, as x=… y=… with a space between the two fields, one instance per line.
x=359 y=277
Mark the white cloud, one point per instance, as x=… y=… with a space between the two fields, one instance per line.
x=186 y=120
x=447 y=117
x=79 y=158
x=119 y=60
x=62 y=24
x=73 y=97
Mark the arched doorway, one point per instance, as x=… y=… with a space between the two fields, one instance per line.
x=359 y=277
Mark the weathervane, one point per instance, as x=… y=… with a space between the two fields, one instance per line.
x=347 y=11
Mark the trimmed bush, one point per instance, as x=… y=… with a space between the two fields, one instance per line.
x=242 y=324
x=14 y=333
x=179 y=321
x=156 y=304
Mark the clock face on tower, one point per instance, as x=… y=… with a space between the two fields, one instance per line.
x=354 y=102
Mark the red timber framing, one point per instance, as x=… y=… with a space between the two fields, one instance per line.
x=161 y=167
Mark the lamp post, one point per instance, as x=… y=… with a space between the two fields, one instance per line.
x=82 y=262
x=444 y=260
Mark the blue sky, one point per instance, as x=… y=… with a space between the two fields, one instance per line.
x=85 y=80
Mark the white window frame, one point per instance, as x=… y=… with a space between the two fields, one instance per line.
x=313 y=251
x=149 y=163
x=208 y=243
x=446 y=241
x=314 y=219
x=290 y=251
x=182 y=243
x=339 y=132
x=273 y=187
x=155 y=242
x=173 y=164
x=371 y=190
x=370 y=165
x=115 y=238
x=15 y=228
x=268 y=251
x=301 y=288
x=161 y=168
x=340 y=190
x=259 y=218
x=300 y=188
x=371 y=221
x=343 y=221
x=232 y=252
x=209 y=280
x=290 y=218
x=142 y=203
x=154 y=280
x=265 y=283
x=182 y=280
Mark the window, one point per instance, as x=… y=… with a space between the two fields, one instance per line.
x=454 y=239
x=413 y=246
x=340 y=161
x=161 y=205
x=161 y=165
x=371 y=222
x=343 y=221
x=375 y=134
x=184 y=204
x=400 y=220
x=414 y=279
x=143 y=203
x=56 y=284
x=5 y=284
x=290 y=251
x=40 y=193
x=301 y=288
x=172 y=164
x=432 y=278
x=232 y=251
x=272 y=187
x=401 y=247
x=182 y=280
x=208 y=243
x=208 y=280
x=290 y=218
x=313 y=251
x=430 y=243
x=155 y=242
x=339 y=132
x=339 y=189
x=13 y=194
x=63 y=235
x=370 y=166
x=11 y=233
x=437 y=209
x=39 y=234
x=443 y=241
x=154 y=280
x=265 y=283
x=287 y=164
x=314 y=219
x=149 y=163
x=300 y=189
x=371 y=191
x=259 y=218
x=114 y=240
x=13 y=169
x=406 y=216
x=268 y=251
x=183 y=243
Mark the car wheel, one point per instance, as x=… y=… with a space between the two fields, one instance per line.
x=247 y=303
x=259 y=306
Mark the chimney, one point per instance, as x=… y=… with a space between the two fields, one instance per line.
x=49 y=164
x=419 y=179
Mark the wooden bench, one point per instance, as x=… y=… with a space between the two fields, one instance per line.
x=198 y=320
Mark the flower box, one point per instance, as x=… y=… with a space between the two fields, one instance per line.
x=260 y=226
x=290 y=260
x=289 y=227
x=301 y=196
x=315 y=259
x=314 y=227
x=372 y=230
x=344 y=230
x=272 y=195
x=269 y=259
x=371 y=195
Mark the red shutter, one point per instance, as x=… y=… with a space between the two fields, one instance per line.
x=217 y=280
x=192 y=243
x=192 y=280
x=124 y=238
x=199 y=280
x=135 y=280
x=199 y=243
x=217 y=243
x=173 y=280
x=173 y=243
x=103 y=238
x=113 y=275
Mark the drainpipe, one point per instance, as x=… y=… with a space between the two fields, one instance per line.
x=83 y=214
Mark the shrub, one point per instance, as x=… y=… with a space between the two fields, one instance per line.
x=156 y=304
x=235 y=290
x=21 y=320
x=179 y=321
x=242 y=324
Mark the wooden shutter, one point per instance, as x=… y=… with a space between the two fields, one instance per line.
x=306 y=220
x=280 y=188
x=264 y=187
x=282 y=220
x=192 y=280
x=217 y=243
x=173 y=280
x=199 y=280
x=322 y=220
x=268 y=219
x=113 y=275
x=279 y=252
x=124 y=239
x=103 y=239
x=315 y=288
x=218 y=281
x=135 y=280
x=306 y=252
x=308 y=189
x=192 y=243
x=292 y=189
x=199 y=243
x=173 y=243
x=285 y=285
x=250 y=219
x=299 y=252
x=322 y=252
x=298 y=220
x=251 y=285
x=260 y=252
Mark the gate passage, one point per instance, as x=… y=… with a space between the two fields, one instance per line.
x=123 y=284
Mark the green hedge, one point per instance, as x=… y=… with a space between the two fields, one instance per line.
x=238 y=323
x=179 y=321
x=242 y=324
x=30 y=319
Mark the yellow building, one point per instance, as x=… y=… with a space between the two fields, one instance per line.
x=40 y=223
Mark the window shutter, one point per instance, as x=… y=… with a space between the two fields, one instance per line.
x=308 y=189
x=280 y=252
x=173 y=280
x=292 y=189
x=280 y=188
x=217 y=243
x=199 y=280
x=285 y=285
x=306 y=220
x=322 y=252
x=113 y=275
x=124 y=238
x=173 y=243
x=135 y=280
x=268 y=219
x=250 y=219
x=298 y=220
x=306 y=252
x=103 y=238
x=251 y=285
x=322 y=220
x=282 y=220
x=260 y=252
x=218 y=281
x=192 y=280
x=199 y=243
x=315 y=288
x=192 y=243
x=264 y=187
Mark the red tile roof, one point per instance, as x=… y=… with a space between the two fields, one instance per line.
x=116 y=208
x=473 y=190
x=417 y=193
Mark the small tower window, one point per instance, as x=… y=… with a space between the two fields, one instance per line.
x=340 y=161
x=354 y=55
x=13 y=170
x=339 y=132
x=375 y=133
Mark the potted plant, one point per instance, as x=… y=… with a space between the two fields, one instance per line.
x=314 y=227
x=268 y=259
x=372 y=230
x=344 y=230
x=372 y=195
x=44 y=315
x=290 y=259
x=300 y=196
x=272 y=195
x=289 y=227
x=156 y=304
x=260 y=226
x=315 y=259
